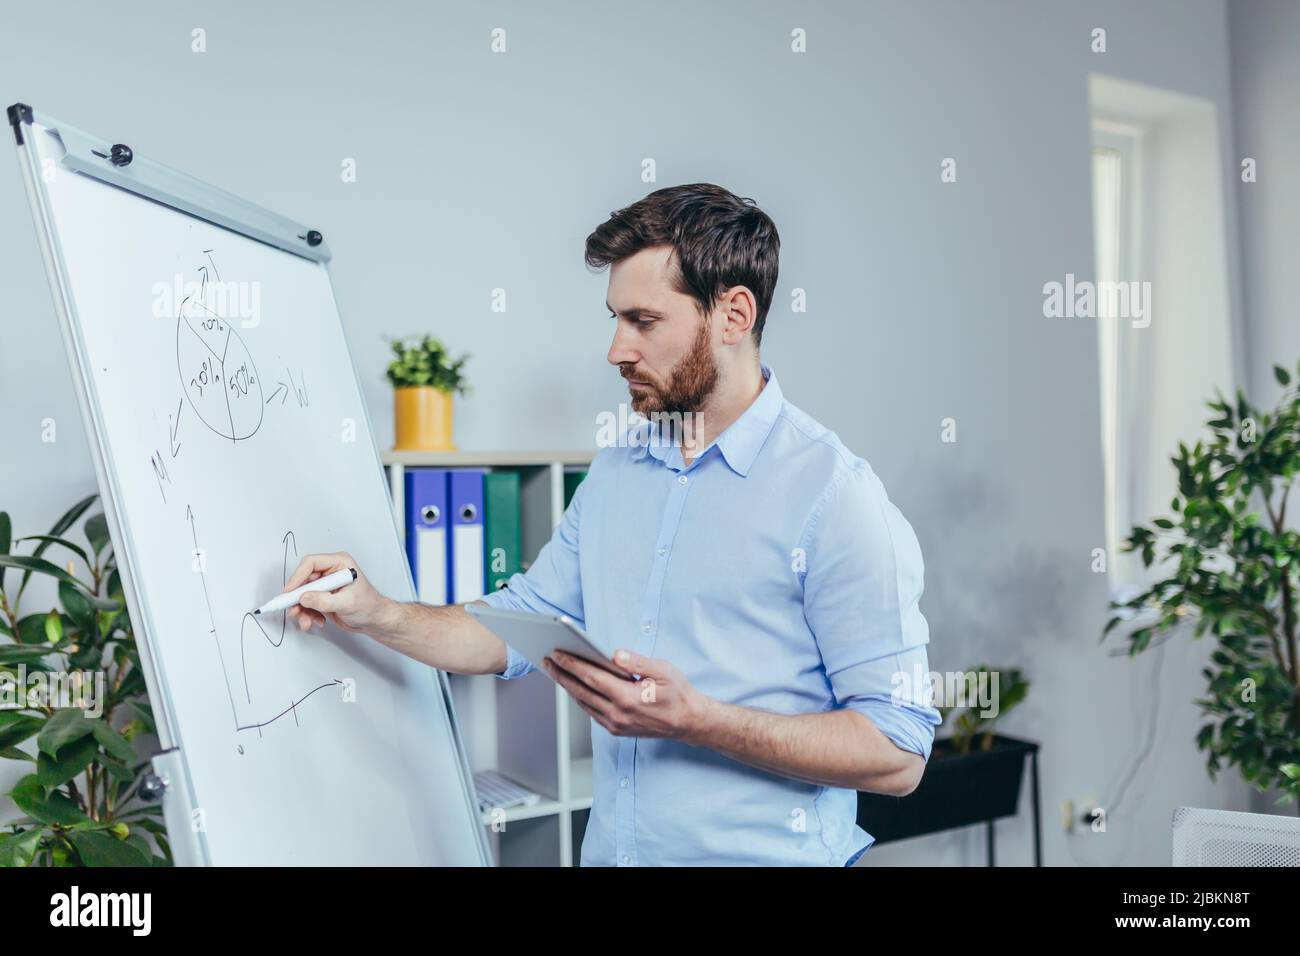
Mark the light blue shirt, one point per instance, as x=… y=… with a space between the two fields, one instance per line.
x=776 y=574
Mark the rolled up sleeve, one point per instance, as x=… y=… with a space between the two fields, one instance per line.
x=551 y=585
x=862 y=592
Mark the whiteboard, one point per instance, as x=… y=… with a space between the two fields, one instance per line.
x=230 y=437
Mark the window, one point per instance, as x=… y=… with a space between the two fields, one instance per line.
x=1159 y=226
x=1115 y=171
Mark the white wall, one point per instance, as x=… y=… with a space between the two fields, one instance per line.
x=1265 y=45
x=479 y=171
x=1265 y=78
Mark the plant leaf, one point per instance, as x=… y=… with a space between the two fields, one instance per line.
x=6 y=541
x=67 y=724
x=29 y=796
x=80 y=610
x=16 y=727
x=63 y=524
x=97 y=848
x=40 y=565
x=56 y=771
x=52 y=539
x=113 y=742
x=31 y=629
x=19 y=849
x=144 y=712
x=96 y=529
x=22 y=653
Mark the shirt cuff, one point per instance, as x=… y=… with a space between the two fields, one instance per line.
x=907 y=725
x=516 y=664
x=857 y=854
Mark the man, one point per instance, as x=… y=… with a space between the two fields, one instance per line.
x=747 y=566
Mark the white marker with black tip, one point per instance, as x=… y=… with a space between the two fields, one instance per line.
x=330 y=582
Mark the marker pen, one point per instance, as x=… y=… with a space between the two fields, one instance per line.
x=328 y=583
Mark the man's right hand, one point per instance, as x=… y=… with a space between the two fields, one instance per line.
x=354 y=607
x=445 y=637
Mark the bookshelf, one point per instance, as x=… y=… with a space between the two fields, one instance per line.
x=528 y=728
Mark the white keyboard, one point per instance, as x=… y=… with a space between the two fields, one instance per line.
x=494 y=790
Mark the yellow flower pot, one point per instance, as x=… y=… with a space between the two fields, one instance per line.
x=422 y=419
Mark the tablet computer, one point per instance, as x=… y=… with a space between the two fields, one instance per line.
x=534 y=636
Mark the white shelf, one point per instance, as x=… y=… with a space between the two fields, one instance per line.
x=543 y=808
x=545 y=762
x=485 y=459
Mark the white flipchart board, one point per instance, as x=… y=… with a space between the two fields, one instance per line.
x=230 y=437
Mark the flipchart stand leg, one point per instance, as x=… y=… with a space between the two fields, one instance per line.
x=169 y=783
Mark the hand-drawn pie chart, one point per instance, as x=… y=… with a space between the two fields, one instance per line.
x=217 y=372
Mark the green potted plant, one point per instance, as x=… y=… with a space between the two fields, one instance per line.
x=974 y=775
x=424 y=377
x=78 y=799
x=971 y=728
x=1230 y=565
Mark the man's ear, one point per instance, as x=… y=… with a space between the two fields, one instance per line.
x=738 y=311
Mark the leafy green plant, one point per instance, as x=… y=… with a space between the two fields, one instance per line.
x=970 y=725
x=423 y=360
x=80 y=800
x=1233 y=570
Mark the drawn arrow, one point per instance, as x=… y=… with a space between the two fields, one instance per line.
x=177 y=424
x=212 y=621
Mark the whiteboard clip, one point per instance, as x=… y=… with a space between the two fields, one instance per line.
x=153 y=786
x=119 y=155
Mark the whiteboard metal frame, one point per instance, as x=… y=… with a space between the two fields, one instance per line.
x=92 y=156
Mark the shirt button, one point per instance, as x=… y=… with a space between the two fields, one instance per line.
x=647 y=627
x=662 y=552
x=681 y=479
x=624 y=783
x=626 y=859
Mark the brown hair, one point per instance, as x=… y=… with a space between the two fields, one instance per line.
x=719 y=240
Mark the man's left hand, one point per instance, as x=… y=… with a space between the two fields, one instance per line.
x=661 y=703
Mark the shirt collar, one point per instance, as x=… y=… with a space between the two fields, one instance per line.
x=741 y=442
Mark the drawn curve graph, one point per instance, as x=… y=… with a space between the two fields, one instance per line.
x=220 y=382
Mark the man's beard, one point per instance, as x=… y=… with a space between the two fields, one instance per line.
x=689 y=383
